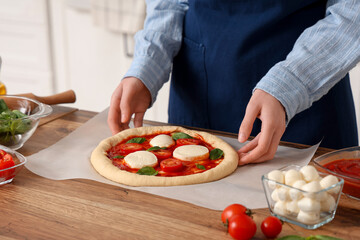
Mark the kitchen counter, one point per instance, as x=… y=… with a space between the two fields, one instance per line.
x=33 y=207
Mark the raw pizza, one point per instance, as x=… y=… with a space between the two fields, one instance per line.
x=163 y=156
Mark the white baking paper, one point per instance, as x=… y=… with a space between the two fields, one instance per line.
x=70 y=158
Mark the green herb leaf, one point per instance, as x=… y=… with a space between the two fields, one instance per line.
x=155 y=148
x=119 y=156
x=12 y=123
x=322 y=237
x=136 y=140
x=147 y=171
x=3 y=106
x=216 y=154
x=180 y=135
x=291 y=237
x=199 y=166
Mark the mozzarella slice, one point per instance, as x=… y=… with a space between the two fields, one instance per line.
x=162 y=140
x=141 y=159
x=191 y=152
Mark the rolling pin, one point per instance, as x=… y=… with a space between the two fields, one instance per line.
x=63 y=97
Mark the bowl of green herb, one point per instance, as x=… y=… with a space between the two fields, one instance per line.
x=19 y=118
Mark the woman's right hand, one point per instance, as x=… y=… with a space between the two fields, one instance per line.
x=130 y=97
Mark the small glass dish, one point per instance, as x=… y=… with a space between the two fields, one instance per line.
x=348 y=170
x=8 y=174
x=19 y=118
x=307 y=209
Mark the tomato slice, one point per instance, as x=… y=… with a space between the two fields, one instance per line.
x=6 y=161
x=162 y=154
x=127 y=148
x=188 y=141
x=171 y=165
x=2 y=153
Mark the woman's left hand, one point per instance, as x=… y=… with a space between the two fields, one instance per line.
x=272 y=114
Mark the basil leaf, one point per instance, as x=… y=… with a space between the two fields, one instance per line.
x=322 y=237
x=180 y=135
x=291 y=237
x=136 y=140
x=147 y=171
x=3 y=106
x=216 y=154
x=119 y=156
x=155 y=148
x=199 y=166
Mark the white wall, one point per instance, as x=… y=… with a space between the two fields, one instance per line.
x=90 y=59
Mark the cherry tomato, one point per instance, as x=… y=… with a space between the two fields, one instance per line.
x=231 y=210
x=171 y=165
x=6 y=161
x=127 y=148
x=188 y=141
x=241 y=227
x=162 y=154
x=271 y=226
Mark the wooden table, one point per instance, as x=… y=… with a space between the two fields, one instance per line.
x=33 y=207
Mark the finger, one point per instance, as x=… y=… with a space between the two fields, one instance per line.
x=250 y=145
x=247 y=123
x=114 y=120
x=272 y=149
x=125 y=107
x=138 y=119
x=267 y=133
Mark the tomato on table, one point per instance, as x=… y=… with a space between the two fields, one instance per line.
x=162 y=154
x=232 y=210
x=188 y=141
x=171 y=165
x=127 y=148
x=6 y=161
x=271 y=227
x=241 y=227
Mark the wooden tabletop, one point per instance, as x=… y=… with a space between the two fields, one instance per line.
x=33 y=207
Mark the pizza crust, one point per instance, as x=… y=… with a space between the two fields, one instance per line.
x=103 y=165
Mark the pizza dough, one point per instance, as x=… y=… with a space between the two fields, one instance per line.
x=104 y=166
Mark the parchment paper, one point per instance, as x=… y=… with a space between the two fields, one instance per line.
x=70 y=158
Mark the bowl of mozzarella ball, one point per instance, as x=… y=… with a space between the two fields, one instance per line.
x=302 y=195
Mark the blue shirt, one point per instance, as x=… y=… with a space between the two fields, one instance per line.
x=322 y=55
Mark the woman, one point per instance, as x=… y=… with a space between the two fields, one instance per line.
x=282 y=62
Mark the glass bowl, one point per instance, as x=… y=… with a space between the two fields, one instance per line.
x=348 y=171
x=8 y=174
x=307 y=209
x=19 y=118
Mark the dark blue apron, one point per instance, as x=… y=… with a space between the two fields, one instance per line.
x=228 y=46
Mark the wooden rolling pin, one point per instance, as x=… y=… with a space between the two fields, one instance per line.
x=63 y=97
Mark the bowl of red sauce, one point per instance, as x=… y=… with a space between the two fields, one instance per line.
x=343 y=163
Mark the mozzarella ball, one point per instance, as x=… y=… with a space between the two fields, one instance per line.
x=308 y=217
x=277 y=176
x=292 y=207
x=309 y=173
x=328 y=181
x=280 y=208
x=328 y=204
x=292 y=176
x=283 y=193
x=309 y=205
x=294 y=193
x=312 y=189
x=274 y=195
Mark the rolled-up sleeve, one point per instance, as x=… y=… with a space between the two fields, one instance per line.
x=158 y=43
x=321 y=57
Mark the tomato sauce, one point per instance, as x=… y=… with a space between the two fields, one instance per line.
x=189 y=167
x=351 y=169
